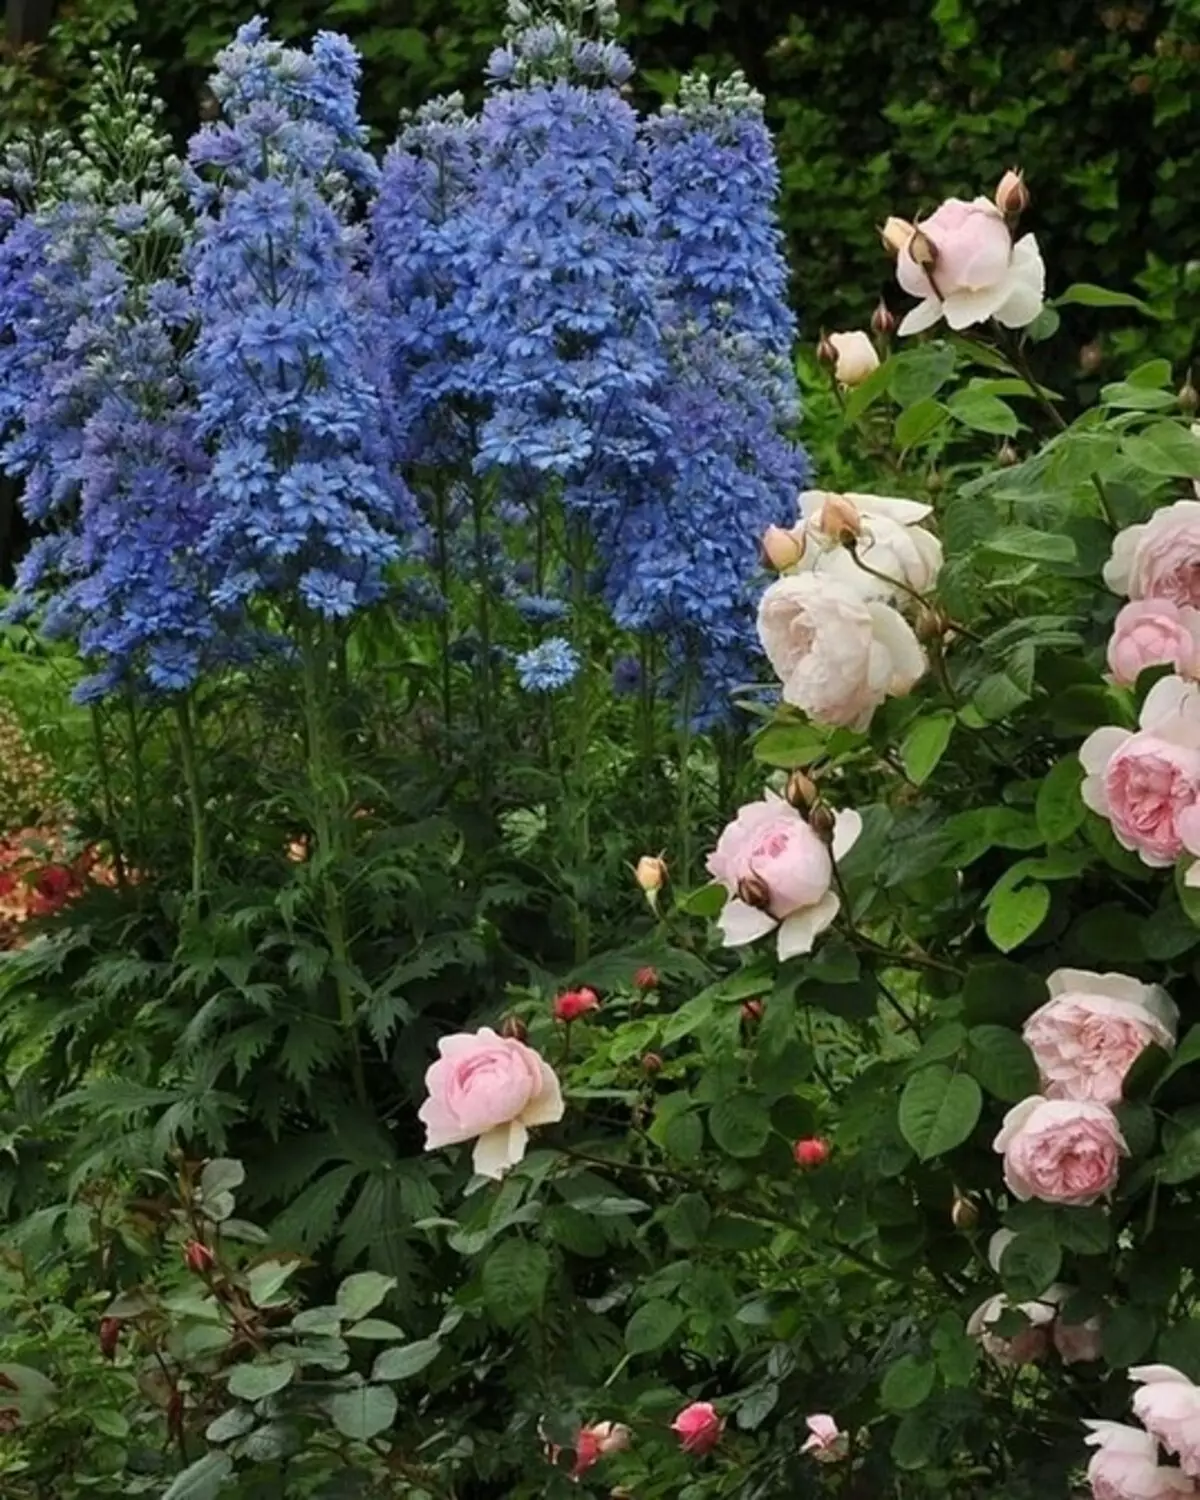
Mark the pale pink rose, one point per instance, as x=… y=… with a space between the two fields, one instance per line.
x=890 y=543
x=1025 y=1347
x=596 y=1442
x=1143 y=782
x=1168 y=1407
x=770 y=851
x=978 y=274
x=855 y=357
x=699 y=1427
x=1159 y=558
x=1061 y=1150
x=1188 y=826
x=1092 y=1029
x=1126 y=1467
x=837 y=655
x=827 y=1443
x=1154 y=633
x=488 y=1089
x=1076 y=1343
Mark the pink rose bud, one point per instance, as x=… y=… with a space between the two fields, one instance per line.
x=699 y=1427
x=854 y=357
x=651 y=873
x=1012 y=196
x=198 y=1257
x=645 y=979
x=895 y=234
x=572 y=1004
x=110 y=1336
x=781 y=548
x=489 y=1089
x=752 y=1011
x=597 y=1442
x=613 y=1437
x=840 y=519
x=811 y=1152
x=826 y=1441
x=1154 y=633
x=883 y=320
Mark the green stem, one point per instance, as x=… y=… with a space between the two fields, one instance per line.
x=328 y=825
x=106 y=793
x=195 y=796
x=578 y=802
x=442 y=549
x=484 y=625
x=646 y=728
x=139 y=785
x=684 y=800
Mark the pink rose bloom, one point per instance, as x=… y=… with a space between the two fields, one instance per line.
x=1061 y=1150
x=1154 y=633
x=890 y=541
x=1094 y=1026
x=837 y=654
x=770 y=847
x=1168 y=1407
x=978 y=272
x=597 y=1442
x=1126 y=1467
x=699 y=1427
x=1077 y=1343
x=1160 y=558
x=488 y=1089
x=826 y=1441
x=1028 y=1346
x=1143 y=782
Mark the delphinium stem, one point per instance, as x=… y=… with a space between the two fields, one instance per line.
x=195 y=796
x=578 y=802
x=106 y=793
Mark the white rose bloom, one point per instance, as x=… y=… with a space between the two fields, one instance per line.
x=891 y=543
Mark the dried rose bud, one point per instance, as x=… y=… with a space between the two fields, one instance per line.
x=964 y=1212
x=1012 y=196
x=923 y=251
x=1189 y=397
x=514 y=1028
x=826 y=352
x=652 y=1063
x=896 y=234
x=801 y=791
x=754 y=891
x=821 y=821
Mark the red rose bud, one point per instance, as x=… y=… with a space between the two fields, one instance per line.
x=572 y=1004
x=810 y=1153
x=752 y=1010
x=198 y=1257
x=646 y=979
x=651 y=1063
x=110 y=1336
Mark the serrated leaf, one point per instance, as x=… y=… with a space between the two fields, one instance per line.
x=406 y=1361
x=1002 y=1062
x=984 y=413
x=374 y=1328
x=1164 y=448
x=202 y=1480
x=254 y=1381
x=221 y=1175
x=938 y=1110
x=907 y=1384
x=515 y=1276
x=361 y=1293
x=740 y=1124
x=1015 y=915
x=1060 y=808
x=1085 y=294
x=268 y=1278
x=231 y=1424
x=925 y=743
x=363 y=1413
x=1029 y=1266
x=651 y=1326
x=918 y=422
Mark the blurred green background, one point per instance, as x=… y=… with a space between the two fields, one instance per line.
x=879 y=105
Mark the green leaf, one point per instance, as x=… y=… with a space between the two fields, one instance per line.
x=1034 y=545
x=221 y=1175
x=925 y=743
x=1152 y=374
x=407 y=1360
x=109 y=1421
x=234 y=1423
x=1029 y=1266
x=362 y=1292
x=1187 y=1053
x=686 y=1221
x=1126 y=1335
x=867 y=392
x=1060 y=807
x=363 y=1413
x=907 y=1383
x=1182 y=1161
x=740 y=1124
x=938 y=1110
x=917 y=422
x=788 y=746
x=1085 y=294
x=683 y=1137
x=984 y=413
x=1002 y=1063
x=652 y=1325
x=1165 y=448
x=374 y=1328
x=515 y=1275
x=1016 y=915
x=202 y=1480
x=706 y=902
x=254 y=1381
x=919 y=373
x=267 y=1279
x=998 y=990
x=1179 y=1347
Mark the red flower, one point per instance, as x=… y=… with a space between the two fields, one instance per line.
x=110 y=1336
x=572 y=1004
x=812 y=1152
x=198 y=1257
x=646 y=979
x=752 y=1010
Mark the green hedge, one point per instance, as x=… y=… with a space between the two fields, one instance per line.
x=880 y=105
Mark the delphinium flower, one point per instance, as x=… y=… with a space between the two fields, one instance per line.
x=421 y=243
x=294 y=394
x=548 y=668
x=686 y=563
x=565 y=309
x=108 y=441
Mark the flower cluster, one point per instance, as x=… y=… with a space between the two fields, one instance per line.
x=1045 y=1323
x=1127 y=1463
x=833 y=626
x=40 y=874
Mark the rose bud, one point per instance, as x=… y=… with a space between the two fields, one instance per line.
x=198 y=1257
x=754 y=891
x=110 y=1336
x=883 y=320
x=896 y=234
x=651 y=873
x=822 y=821
x=1189 y=397
x=964 y=1212
x=811 y=1152
x=855 y=358
x=923 y=251
x=781 y=548
x=515 y=1028
x=801 y=791
x=840 y=519
x=652 y=1063
x=1008 y=456
x=752 y=1010
x=572 y=1004
x=699 y=1427
x=1012 y=196
x=646 y=979
x=1091 y=356
x=826 y=350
